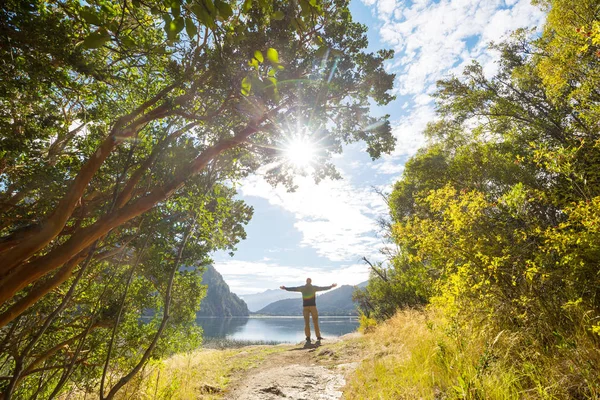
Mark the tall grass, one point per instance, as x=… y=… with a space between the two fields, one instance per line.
x=227 y=343
x=201 y=374
x=420 y=355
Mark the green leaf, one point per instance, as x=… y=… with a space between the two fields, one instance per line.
x=190 y=28
x=176 y=8
x=178 y=24
x=257 y=84
x=210 y=7
x=321 y=51
x=271 y=89
x=258 y=55
x=306 y=8
x=278 y=15
x=246 y=86
x=95 y=40
x=336 y=53
x=127 y=41
x=247 y=5
x=174 y=27
x=203 y=15
x=273 y=55
x=89 y=17
x=224 y=9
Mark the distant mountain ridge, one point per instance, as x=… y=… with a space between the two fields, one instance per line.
x=219 y=300
x=334 y=302
x=258 y=301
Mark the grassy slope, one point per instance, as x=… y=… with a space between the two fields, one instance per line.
x=417 y=355
x=410 y=357
x=414 y=355
x=202 y=374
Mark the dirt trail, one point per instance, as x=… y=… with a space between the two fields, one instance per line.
x=300 y=372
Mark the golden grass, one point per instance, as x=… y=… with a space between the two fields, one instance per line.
x=201 y=374
x=416 y=355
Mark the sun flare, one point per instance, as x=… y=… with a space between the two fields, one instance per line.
x=300 y=152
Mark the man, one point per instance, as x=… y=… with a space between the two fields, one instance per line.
x=309 y=296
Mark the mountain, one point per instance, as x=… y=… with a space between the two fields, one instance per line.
x=335 y=302
x=257 y=301
x=219 y=301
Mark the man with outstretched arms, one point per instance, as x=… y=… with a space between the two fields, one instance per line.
x=309 y=296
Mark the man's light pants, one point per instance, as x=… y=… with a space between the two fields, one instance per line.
x=307 y=311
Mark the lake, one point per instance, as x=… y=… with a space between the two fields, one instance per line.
x=273 y=329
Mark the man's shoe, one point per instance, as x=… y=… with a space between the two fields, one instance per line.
x=319 y=338
x=308 y=339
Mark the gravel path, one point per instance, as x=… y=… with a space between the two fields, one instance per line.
x=293 y=374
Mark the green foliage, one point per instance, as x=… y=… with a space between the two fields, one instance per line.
x=366 y=324
x=124 y=128
x=219 y=301
x=498 y=215
x=418 y=354
x=403 y=284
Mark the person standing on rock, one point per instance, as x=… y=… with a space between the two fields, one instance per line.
x=309 y=296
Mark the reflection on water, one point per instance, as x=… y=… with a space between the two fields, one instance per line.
x=279 y=329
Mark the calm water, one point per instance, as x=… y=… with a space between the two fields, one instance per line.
x=279 y=329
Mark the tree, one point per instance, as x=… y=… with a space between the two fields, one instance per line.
x=123 y=121
x=498 y=214
x=147 y=84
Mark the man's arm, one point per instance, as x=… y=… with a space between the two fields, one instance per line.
x=292 y=289
x=322 y=288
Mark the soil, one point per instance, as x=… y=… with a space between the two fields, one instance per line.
x=315 y=371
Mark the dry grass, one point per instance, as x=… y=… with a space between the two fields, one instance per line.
x=416 y=355
x=202 y=374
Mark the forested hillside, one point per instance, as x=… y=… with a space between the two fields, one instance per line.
x=497 y=219
x=335 y=302
x=257 y=301
x=219 y=301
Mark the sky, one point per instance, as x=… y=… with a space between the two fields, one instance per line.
x=323 y=231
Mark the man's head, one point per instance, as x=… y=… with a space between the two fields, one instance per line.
x=308 y=281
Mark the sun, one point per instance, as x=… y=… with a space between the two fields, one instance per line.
x=300 y=152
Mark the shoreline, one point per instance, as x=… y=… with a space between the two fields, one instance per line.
x=265 y=316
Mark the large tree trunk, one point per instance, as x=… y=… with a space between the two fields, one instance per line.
x=54 y=224
x=27 y=273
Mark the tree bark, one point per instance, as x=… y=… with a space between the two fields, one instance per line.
x=46 y=287
x=125 y=379
x=54 y=224
x=40 y=291
x=28 y=273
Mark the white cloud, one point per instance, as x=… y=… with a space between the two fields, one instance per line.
x=389 y=166
x=386 y=6
x=436 y=39
x=430 y=38
x=270 y=275
x=409 y=138
x=335 y=218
